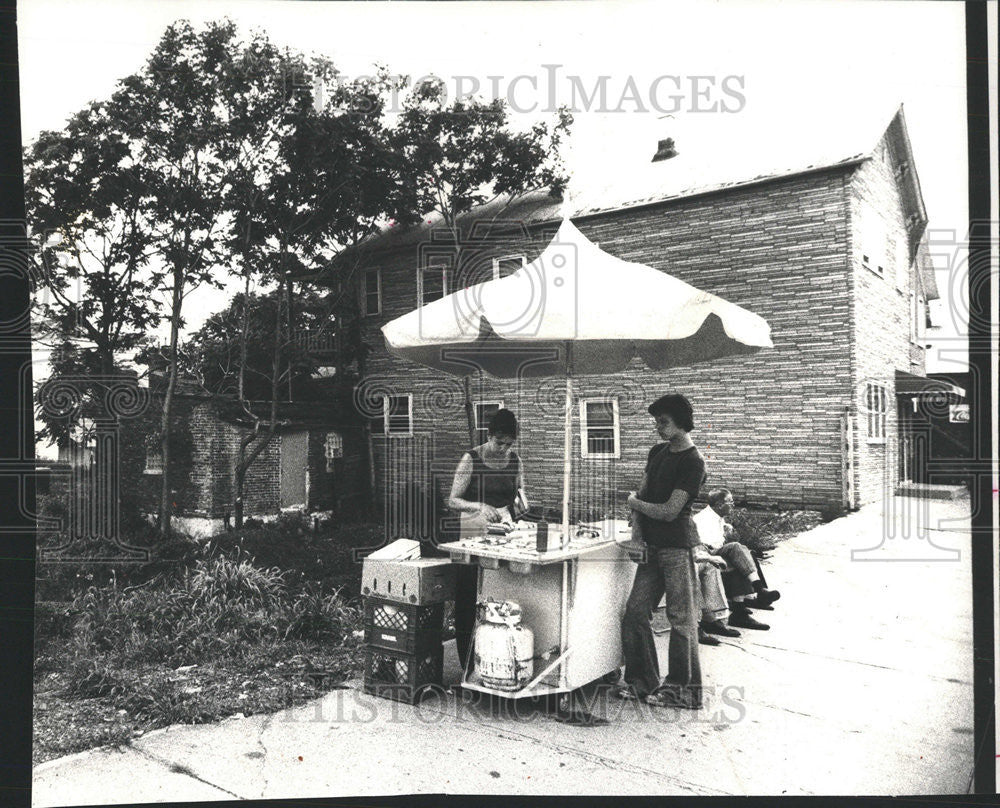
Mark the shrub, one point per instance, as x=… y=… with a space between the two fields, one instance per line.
x=314 y=614
x=234 y=581
x=88 y=678
x=761 y=530
x=221 y=606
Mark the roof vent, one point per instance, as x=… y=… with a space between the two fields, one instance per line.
x=664 y=150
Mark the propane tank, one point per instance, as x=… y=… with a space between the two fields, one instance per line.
x=503 y=647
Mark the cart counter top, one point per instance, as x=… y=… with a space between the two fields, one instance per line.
x=519 y=546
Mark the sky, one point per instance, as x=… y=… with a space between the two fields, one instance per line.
x=747 y=76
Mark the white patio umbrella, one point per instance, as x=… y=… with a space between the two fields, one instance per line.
x=574 y=310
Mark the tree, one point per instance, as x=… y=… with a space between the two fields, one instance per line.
x=218 y=356
x=460 y=155
x=197 y=115
x=93 y=296
x=324 y=177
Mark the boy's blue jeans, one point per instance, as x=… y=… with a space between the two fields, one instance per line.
x=670 y=571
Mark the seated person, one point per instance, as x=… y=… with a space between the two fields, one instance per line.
x=714 y=608
x=742 y=576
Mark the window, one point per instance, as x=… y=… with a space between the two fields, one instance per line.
x=507 y=265
x=599 y=428
x=484 y=411
x=371 y=291
x=397 y=415
x=877 y=407
x=432 y=284
x=154 y=459
x=333 y=448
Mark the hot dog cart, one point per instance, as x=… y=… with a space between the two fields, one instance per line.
x=572 y=597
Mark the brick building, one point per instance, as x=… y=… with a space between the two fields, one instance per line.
x=829 y=251
x=315 y=463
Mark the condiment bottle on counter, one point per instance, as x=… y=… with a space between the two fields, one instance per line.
x=542 y=537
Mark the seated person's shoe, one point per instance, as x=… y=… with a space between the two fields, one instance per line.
x=744 y=619
x=668 y=696
x=706 y=639
x=720 y=628
x=763 y=599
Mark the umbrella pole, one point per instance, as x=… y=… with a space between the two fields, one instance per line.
x=567 y=467
x=567 y=443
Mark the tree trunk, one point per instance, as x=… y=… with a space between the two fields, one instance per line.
x=240 y=476
x=247 y=461
x=288 y=320
x=177 y=298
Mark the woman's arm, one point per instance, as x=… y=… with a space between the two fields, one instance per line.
x=463 y=475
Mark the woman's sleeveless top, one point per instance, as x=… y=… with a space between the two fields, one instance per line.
x=496 y=487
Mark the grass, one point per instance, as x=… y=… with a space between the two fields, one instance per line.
x=247 y=624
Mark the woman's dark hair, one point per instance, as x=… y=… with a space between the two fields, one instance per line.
x=677 y=407
x=503 y=422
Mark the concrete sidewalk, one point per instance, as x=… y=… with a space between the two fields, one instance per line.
x=863 y=685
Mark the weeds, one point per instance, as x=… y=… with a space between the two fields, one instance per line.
x=219 y=636
x=761 y=530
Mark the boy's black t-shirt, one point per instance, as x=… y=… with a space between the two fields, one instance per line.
x=666 y=472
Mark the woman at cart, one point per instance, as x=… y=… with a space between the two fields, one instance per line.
x=486 y=481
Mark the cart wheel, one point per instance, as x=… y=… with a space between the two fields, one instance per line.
x=612 y=678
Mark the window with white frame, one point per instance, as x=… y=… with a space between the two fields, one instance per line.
x=877 y=409
x=397 y=415
x=371 y=291
x=432 y=284
x=507 y=265
x=599 y=428
x=484 y=412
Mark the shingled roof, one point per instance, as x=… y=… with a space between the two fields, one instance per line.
x=711 y=158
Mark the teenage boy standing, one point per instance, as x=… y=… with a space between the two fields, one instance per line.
x=675 y=472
